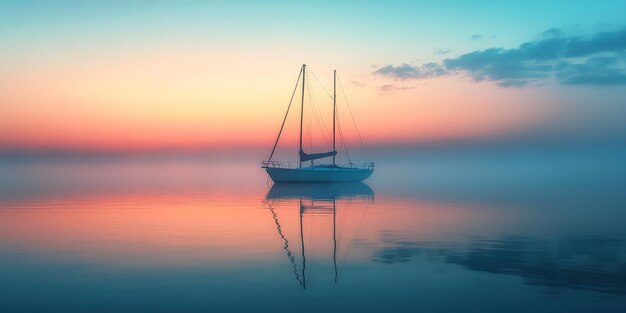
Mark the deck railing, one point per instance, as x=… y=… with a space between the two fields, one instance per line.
x=279 y=164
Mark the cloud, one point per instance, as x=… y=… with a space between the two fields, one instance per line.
x=357 y=83
x=595 y=71
x=570 y=60
x=438 y=51
x=553 y=32
x=391 y=87
x=406 y=71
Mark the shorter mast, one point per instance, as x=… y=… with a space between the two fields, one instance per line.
x=334 y=111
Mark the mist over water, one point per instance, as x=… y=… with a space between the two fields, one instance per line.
x=520 y=230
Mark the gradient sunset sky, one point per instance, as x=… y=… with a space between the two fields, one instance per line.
x=142 y=75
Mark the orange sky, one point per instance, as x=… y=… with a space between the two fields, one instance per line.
x=139 y=76
x=195 y=101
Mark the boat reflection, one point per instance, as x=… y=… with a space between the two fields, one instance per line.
x=320 y=191
x=316 y=202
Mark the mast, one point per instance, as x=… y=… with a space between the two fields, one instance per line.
x=301 y=113
x=334 y=109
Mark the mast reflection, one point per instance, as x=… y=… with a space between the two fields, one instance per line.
x=317 y=200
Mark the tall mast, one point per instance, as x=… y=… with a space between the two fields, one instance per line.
x=301 y=113
x=334 y=109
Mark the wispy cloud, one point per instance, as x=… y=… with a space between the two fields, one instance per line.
x=476 y=37
x=570 y=60
x=438 y=51
x=391 y=88
x=357 y=83
x=554 y=32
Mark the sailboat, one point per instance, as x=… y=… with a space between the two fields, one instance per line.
x=332 y=172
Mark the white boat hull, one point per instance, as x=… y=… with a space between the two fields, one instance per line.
x=319 y=174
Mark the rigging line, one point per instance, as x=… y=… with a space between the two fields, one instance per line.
x=309 y=120
x=342 y=141
x=306 y=125
x=353 y=120
x=320 y=125
x=320 y=83
x=325 y=133
x=312 y=116
x=346 y=149
x=292 y=259
x=320 y=121
x=312 y=112
x=285 y=118
x=318 y=113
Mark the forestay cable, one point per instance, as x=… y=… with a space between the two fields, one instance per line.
x=285 y=118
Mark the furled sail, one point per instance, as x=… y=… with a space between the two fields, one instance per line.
x=312 y=156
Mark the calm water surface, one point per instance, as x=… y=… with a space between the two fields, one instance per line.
x=534 y=232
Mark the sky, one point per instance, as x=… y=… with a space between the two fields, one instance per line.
x=197 y=75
